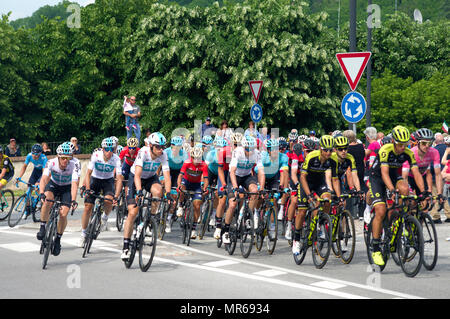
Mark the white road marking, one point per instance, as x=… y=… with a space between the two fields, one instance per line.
x=23 y=247
x=221 y=263
x=270 y=273
x=328 y=285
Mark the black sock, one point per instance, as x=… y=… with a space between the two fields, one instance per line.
x=226 y=228
x=126 y=243
x=297 y=234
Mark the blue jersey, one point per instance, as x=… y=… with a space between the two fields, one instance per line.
x=212 y=161
x=272 y=168
x=39 y=163
x=176 y=163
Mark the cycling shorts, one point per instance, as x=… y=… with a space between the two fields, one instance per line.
x=194 y=187
x=377 y=188
x=145 y=183
x=63 y=192
x=98 y=185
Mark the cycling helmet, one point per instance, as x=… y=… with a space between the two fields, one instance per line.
x=186 y=147
x=115 y=140
x=207 y=139
x=281 y=138
x=132 y=142
x=312 y=132
x=236 y=137
x=272 y=143
x=108 y=142
x=248 y=141
x=400 y=134
x=293 y=135
x=157 y=139
x=424 y=134
x=64 y=150
x=196 y=152
x=309 y=144
x=176 y=140
x=386 y=140
x=336 y=133
x=413 y=137
x=283 y=144
x=297 y=149
x=119 y=149
x=341 y=141
x=326 y=141
x=37 y=148
x=220 y=142
x=302 y=138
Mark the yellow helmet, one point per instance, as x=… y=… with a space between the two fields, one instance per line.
x=400 y=134
x=326 y=141
x=132 y=142
x=340 y=141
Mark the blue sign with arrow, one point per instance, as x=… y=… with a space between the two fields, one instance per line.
x=256 y=113
x=353 y=107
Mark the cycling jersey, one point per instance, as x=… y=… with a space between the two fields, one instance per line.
x=212 y=161
x=39 y=163
x=193 y=172
x=432 y=156
x=176 y=162
x=149 y=165
x=129 y=159
x=349 y=161
x=387 y=157
x=315 y=169
x=62 y=177
x=224 y=158
x=273 y=167
x=102 y=169
x=243 y=164
x=7 y=164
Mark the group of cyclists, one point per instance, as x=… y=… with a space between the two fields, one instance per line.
x=302 y=169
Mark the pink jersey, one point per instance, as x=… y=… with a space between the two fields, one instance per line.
x=432 y=156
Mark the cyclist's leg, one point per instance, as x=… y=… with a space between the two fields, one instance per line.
x=154 y=186
x=251 y=184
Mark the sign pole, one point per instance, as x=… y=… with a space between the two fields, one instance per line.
x=369 y=73
x=352 y=38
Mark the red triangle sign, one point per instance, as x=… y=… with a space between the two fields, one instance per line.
x=353 y=65
x=256 y=87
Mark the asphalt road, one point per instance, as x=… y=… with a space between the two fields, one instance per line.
x=202 y=271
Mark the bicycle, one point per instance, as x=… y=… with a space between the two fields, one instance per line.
x=268 y=223
x=316 y=233
x=146 y=233
x=206 y=211
x=187 y=219
x=93 y=228
x=401 y=234
x=6 y=203
x=121 y=209
x=51 y=229
x=27 y=204
x=161 y=217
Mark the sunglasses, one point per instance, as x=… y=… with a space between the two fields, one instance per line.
x=328 y=150
x=342 y=148
x=425 y=143
x=67 y=158
x=109 y=149
x=158 y=147
x=131 y=148
x=35 y=154
x=401 y=144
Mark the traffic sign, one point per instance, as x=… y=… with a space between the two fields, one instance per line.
x=353 y=65
x=256 y=113
x=255 y=87
x=353 y=107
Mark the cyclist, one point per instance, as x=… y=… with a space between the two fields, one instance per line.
x=143 y=175
x=345 y=163
x=295 y=157
x=385 y=174
x=101 y=167
x=6 y=169
x=190 y=178
x=60 y=178
x=128 y=156
x=39 y=161
x=243 y=159
x=317 y=176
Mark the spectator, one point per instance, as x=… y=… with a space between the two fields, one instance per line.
x=251 y=130
x=312 y=133
x=263 y=136
x=12 y=150
x=371 y=137
x=46 y=150
x=147 y=133
x=357 y=150
x=441 y=147
x=380 y=136
x=130 y=122
x=135 y=115
x=74 y=141
x=208 y=128
x=224 y=130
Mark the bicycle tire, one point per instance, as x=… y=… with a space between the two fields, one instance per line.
x=385 y=252
x=334 y=245
x=247 y=233
x=36 y=212
x=204 y=219
x=147 y=238
x=91 y=233
x=260 y=232
x=429 y=237
x=231 y=247
x=321 y=239
x=412 y=234
x=190 y=220
x=17 y=211
x=271 y=242
x=162 y=220
x=134 y=242
x=120 y=212
x=48 y=240
x=348 y=234
x=5 y=205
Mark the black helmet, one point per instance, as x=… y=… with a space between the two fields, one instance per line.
x=386 y=140
x=297 y=149
x=37 y=148
x=309 y=144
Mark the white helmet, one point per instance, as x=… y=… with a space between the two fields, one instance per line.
x=116 y=140
x=236 y=137
x=156 y=139
x=196 y=152
x=187 y=148
x=302 y=138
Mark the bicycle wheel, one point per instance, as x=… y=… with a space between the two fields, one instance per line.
x=162 y=220
x=47 y=241
x=272 y=240
x=6 y=203
x=410 y=246
x=346 y=237
x=303 y=245
x=260 y=232
x=384 y=246
x=204 y=218
x=91 y=232
x=430 y=241
x=230 y=248
x=247 y=233
x=18 y=210
x=322 y=241
x=147 y=244
x=120 y=212
x=334 y=245
x=36 y=210
x=189 y=221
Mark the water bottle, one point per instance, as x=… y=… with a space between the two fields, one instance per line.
x=241 y=213
x=139 y=229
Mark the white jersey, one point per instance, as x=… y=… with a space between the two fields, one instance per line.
x=244 y=165
x=149 y=165
x=59 y=176
x=104 y=170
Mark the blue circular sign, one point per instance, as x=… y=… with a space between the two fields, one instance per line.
x=353 y=107
x=256 y=113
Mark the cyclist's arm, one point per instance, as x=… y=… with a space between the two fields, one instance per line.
x=439 y=181
x=418 y=178
x=137 y=177
x=74 y=190
x=356 y=180
x=386 y=178
x=44 y=181
x=87 y=179
x=350 y=181
x=233 y=176
x=167 y=181
x=429 y=178
x=261 y=177
x=3 y=173
x=304 y=183
x=444 y=158
x=294 y=174
x=221 y=175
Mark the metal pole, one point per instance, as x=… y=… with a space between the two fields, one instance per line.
x=352 y=36
x=369 y=71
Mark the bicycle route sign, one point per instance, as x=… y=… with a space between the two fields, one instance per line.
x=256 y=113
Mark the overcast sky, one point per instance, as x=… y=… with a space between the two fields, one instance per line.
x=25 y=8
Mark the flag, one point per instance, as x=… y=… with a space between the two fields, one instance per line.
x=445 y=127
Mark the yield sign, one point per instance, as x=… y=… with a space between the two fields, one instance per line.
x=353 y=65
x=255 y=87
